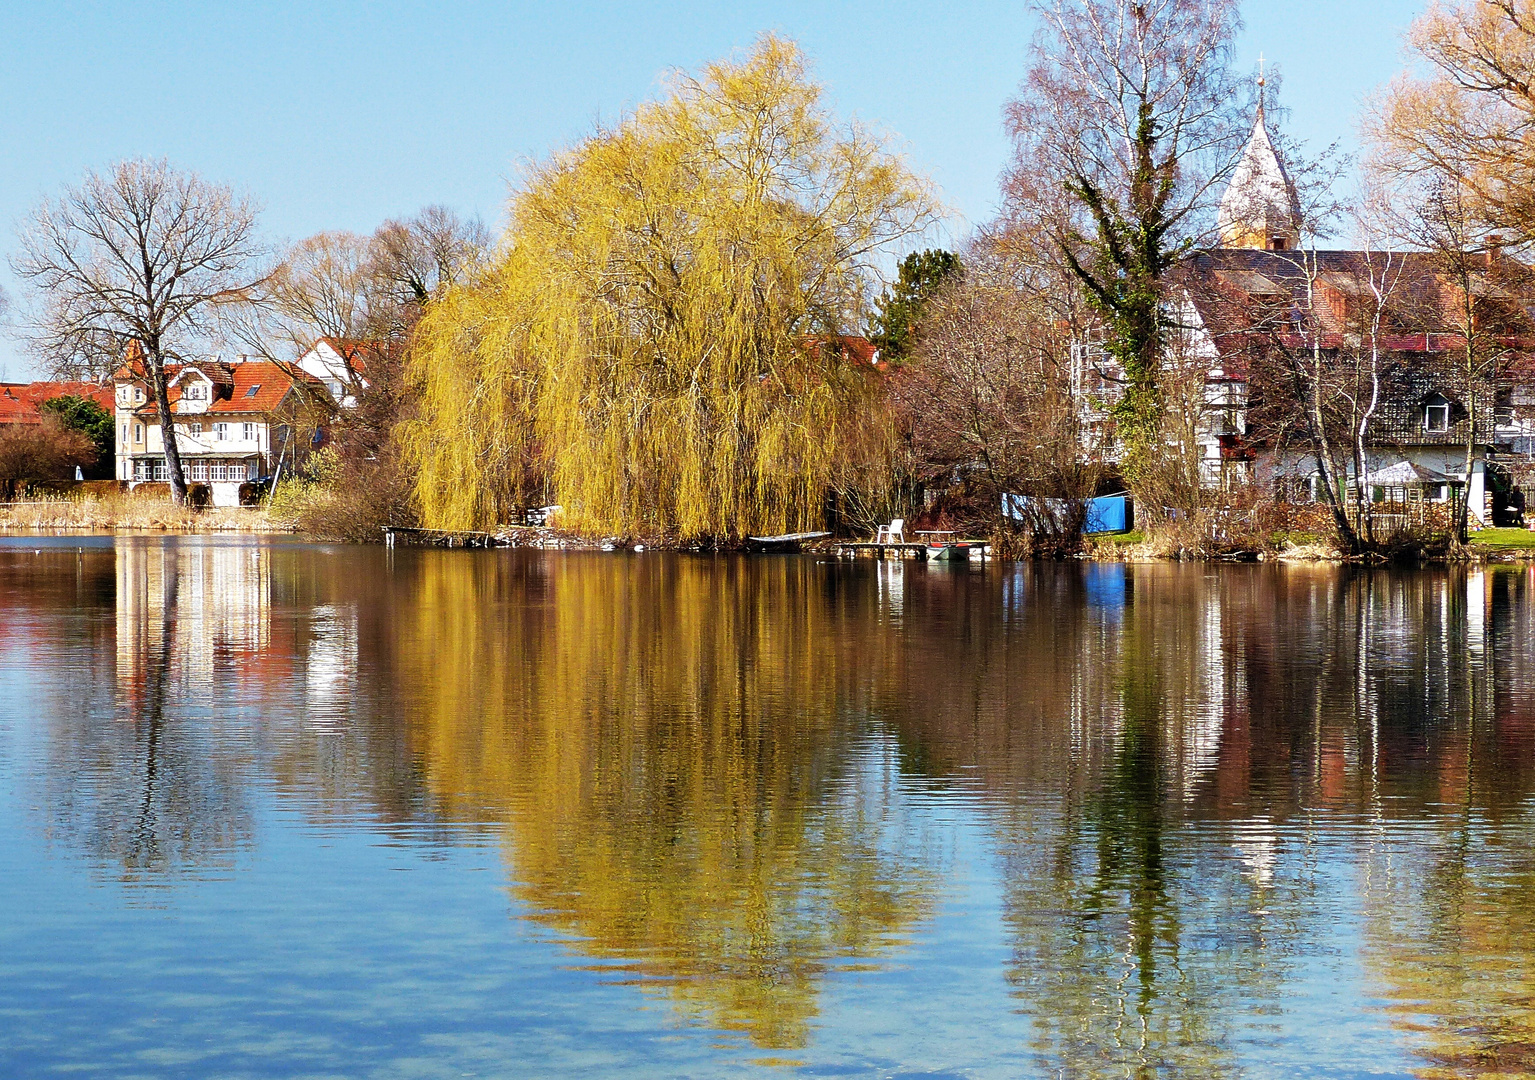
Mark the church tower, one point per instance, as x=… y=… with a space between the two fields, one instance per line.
x=1259 y=209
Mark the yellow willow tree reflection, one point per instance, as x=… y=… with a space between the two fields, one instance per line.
x=675 y=747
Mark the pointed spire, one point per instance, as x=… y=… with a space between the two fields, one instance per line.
x=1259 y=208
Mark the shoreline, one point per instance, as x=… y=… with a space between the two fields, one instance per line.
x=141 y=517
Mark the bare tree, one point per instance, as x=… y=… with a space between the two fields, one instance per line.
x=422 y=255
x=363 y=292
x=1470 y=115
x=1473 y=306
x=1130 y=109
x=989 y=390
x=143 y=255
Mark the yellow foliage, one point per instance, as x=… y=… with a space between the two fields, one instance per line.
x=645 y=349
x=672 y=759
x=1469 y=117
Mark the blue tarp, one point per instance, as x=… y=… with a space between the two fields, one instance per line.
x=1110 y=513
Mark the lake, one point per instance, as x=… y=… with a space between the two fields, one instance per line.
x=279 y=809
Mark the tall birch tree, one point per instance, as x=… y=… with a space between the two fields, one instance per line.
x=1130 y=109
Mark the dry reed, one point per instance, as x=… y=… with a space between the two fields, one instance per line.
x=127 y=511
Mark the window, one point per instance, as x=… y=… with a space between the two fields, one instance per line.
x=220 y=432
x=138 y=394
x=1278 y=243
x=216 y=471
x=161 y=472
x=125 y=433
x=254 y=390
x=196 y=391
x=138 y=432
x=199 y=471
x=249 y=433
x=334 y=386
x=194 y=429
x=1436 y=418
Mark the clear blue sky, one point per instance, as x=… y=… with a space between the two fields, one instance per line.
x=337 y=115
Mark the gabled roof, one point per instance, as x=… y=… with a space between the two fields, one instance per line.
x=354 y=352
x=1237 y=291
x=255 y=386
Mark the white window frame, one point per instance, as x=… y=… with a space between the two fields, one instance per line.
x=1428 y=419
x=249 y=432
x=220 y=432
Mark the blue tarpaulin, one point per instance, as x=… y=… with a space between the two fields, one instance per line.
x=1109 y=513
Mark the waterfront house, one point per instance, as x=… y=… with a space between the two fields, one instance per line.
x=236 y=422
x=1249 y=314
x=341 y=366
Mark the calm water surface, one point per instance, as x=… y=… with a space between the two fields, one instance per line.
x=279 y=809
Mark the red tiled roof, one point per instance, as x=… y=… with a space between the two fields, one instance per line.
x=19 y=402
x=255 y=386
x=859 y=350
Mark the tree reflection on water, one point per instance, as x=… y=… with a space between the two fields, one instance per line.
x=672 y=746
x=724 y=780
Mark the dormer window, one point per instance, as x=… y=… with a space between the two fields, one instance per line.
x=1436 y=417
x=197 y=391
x=138 y=394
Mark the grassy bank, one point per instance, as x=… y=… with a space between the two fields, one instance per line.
x=125 y=511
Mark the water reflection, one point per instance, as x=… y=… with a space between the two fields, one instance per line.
x=1222 y=812
x=675 y=747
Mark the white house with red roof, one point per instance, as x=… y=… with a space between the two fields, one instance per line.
x=235 y=422
x=339 y=364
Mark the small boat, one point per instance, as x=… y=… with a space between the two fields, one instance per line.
x=953 y=550
x=788 y=542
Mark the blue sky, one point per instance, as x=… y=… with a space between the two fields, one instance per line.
x=337 y=115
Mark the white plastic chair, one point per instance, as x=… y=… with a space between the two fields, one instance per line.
x=894 y=533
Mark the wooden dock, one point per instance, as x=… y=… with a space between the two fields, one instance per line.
x=887 y=550
x=853 y=549
x=398 y=536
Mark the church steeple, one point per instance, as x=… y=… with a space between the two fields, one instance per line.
x=1259 y=209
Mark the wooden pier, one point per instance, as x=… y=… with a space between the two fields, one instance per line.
x=398 y=536
x=886 y=550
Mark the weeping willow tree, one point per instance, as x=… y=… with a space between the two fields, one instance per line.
x=656 y=346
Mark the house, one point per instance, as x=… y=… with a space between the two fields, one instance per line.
x=1247 y=314
x=235 y=422
x=341 y=366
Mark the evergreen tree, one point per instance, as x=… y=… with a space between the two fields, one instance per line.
x=893 y=329
x=91 y=420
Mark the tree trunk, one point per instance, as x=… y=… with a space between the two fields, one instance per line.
x=1463 y=511
x=167 y=426
x=1326 y=465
